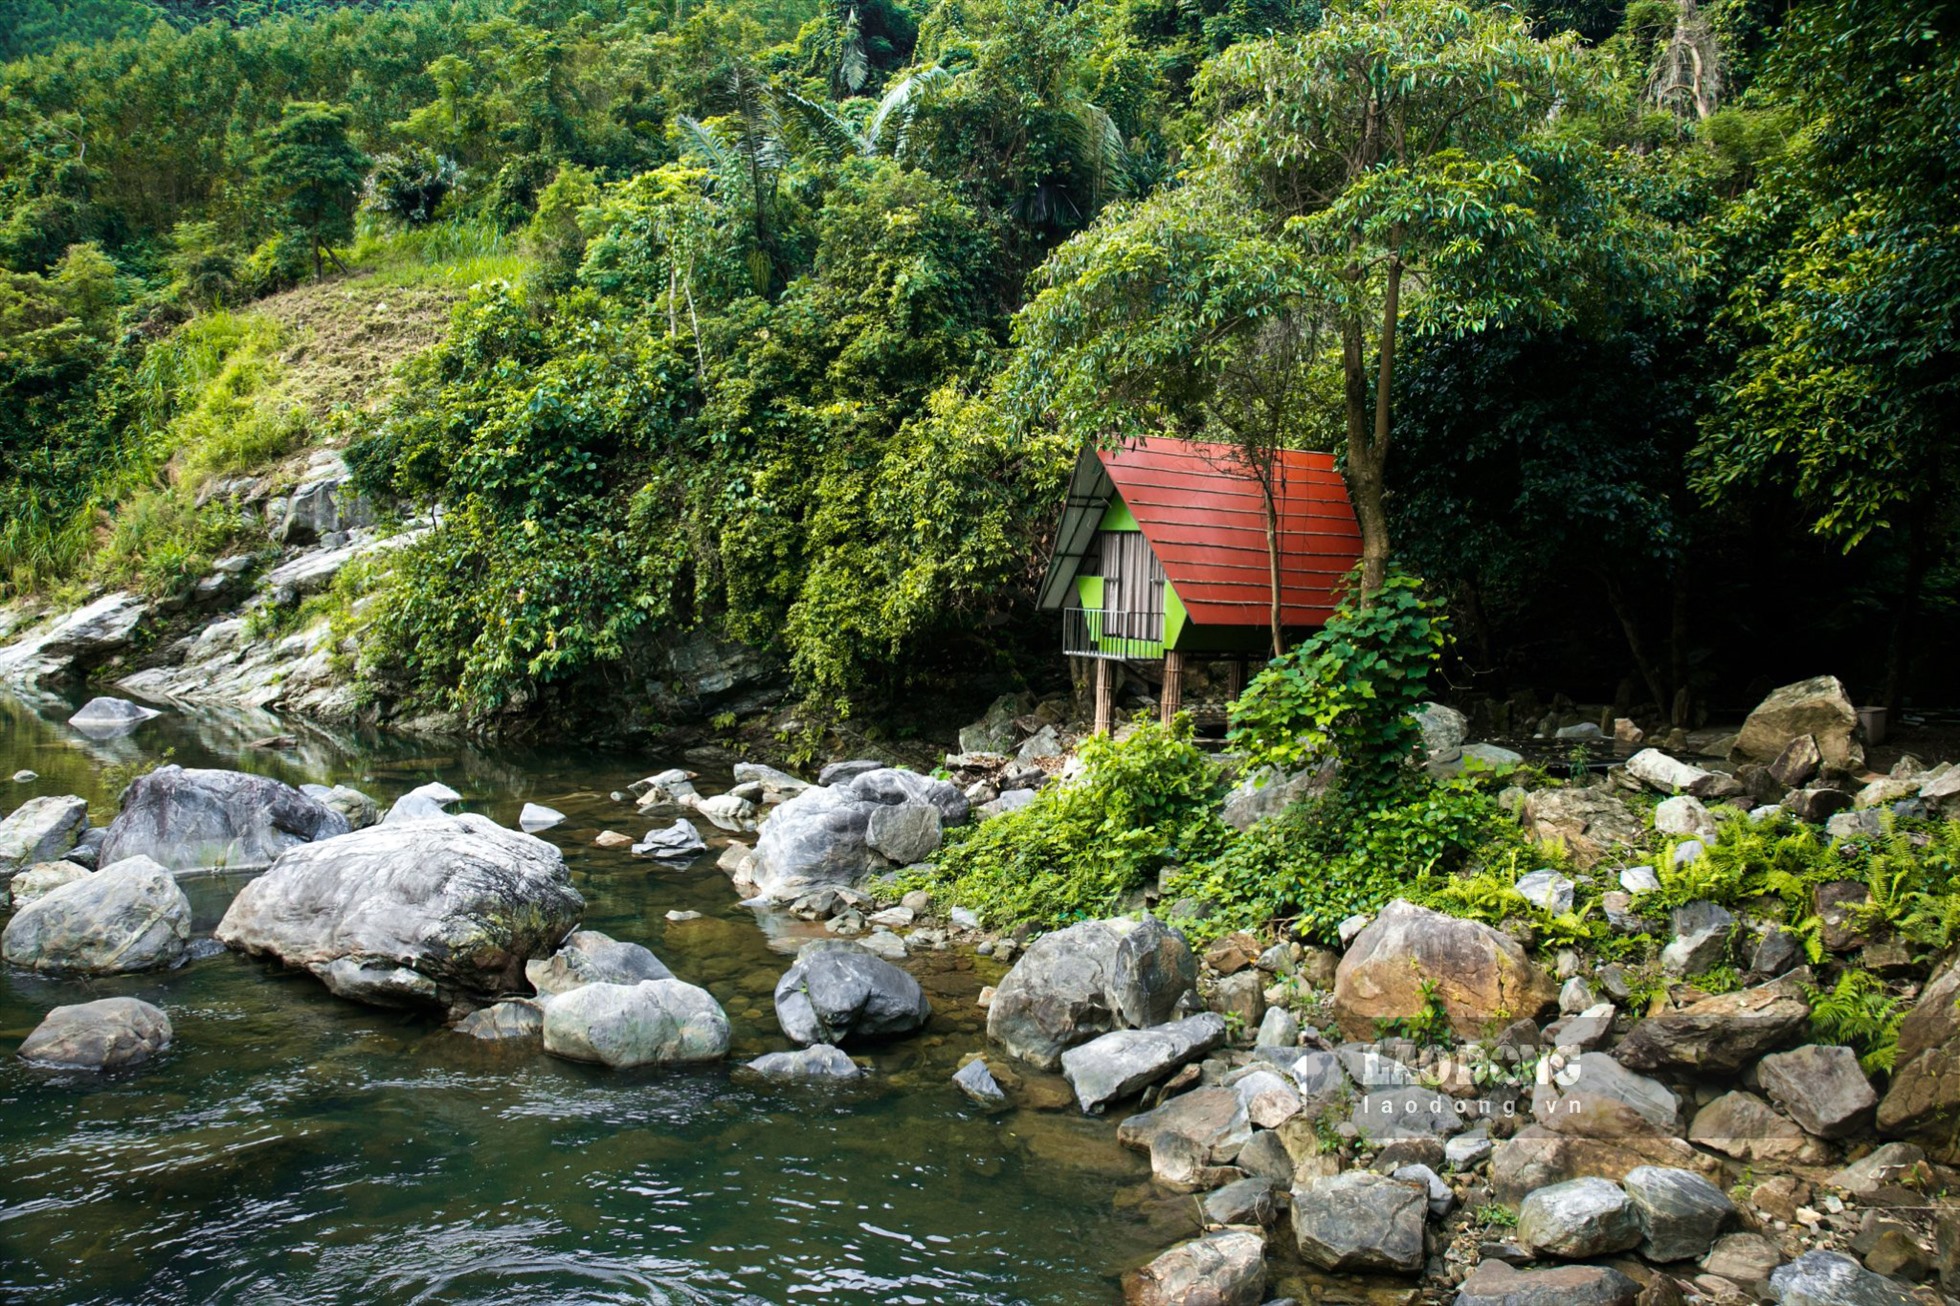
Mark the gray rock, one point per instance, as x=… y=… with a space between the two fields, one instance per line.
x=1688 y=852
x=1264 y=1156
x=1777 y=953
x=1701 y=939
x=1361 y=1221
x=883 y=943
x=818 y=1061
x=1684 y=815
x=1057 y=995
x=1117 y=1064
x=1227 y=1268
x=815 y=839
x=1818 y=707
x=37 y=882
x=1823 y=1278
x=411 y=912
x=1578 y=1219
x=839 y=992
x=906 y=833
x=75 y=642
x=896 y=787
x=1244 y=1201
x=679 y=842
x=654 y=1022
x=1494 y=1283
x=1924 y=1100
x=1547 y=891
x=1718 y=1035
x=40 y=830
x=729 y=811
x=1823 y=1088
x=1442 y=1198
x=1595 y=1074
x=1268 y=792
x=1489 y=758
x=776 y=785
x=1640 y=879
x=1664 y=774
x=1153 y=970
x=839 y=773
x=1043 y=743
x=1010 y=800
x=109 y=718
x=589 y=957
x=1443 y=728
x=1184 y=1135
x=1743 y=1258
x=191 y=819
x=516 y=1018
x=360 y=810
x=1890 y=1166
x=128 y=916
x=1681 y=1213
x=978 y=1083
x=1742 y=1125
x=536 y=817
x=1467 y=1151
x=1407 y=1113
x=107 y=1034
x=1280 y=1029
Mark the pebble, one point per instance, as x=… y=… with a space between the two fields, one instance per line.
x=25 y=777
x=678 y=916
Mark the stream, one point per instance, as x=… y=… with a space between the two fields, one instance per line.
x=291 y=1147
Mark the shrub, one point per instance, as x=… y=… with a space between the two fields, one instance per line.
x=1143 y=801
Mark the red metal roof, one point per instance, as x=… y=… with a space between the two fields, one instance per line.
x=1202 y=513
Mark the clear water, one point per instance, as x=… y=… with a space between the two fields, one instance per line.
x=294 y=1148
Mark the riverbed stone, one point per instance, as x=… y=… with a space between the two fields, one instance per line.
x=1822 y=1087
x=1587 y=822
x=1718 y=1035
x=1825 y=1278
x=679 y=842
x=1588 y=1136
x=1923 y=1103
x=1578 y=1219
x=905 y=832
x=1411 y=1112
x=837 y=992
x=730 y=812
x=1249 y=1201
x=1057 y=995
x=107 y=718
x=813 y=840
x=1681 y=1213
x=976 y=1081
x=360 y=810
x=128 y=916
x=1742 y=1125
x=1153 y=970
x=1702 y=932
x=776 y=785
x=1361 y=1221
x=1493 y=1283
x=1477 y=972
x=1664 y=774
x=190 y=818
x=590 y=957
x=1596 y=1074
x=413 y=912
x=536 y=816
x=40 y=830
x=1211 y=1119
x=38 y=881
x=107 y=1034
x=1227 y=1268
x=654 y=1022
x=1124 y=1061
x=892 y=786
x=819 y=1061
x=512 y=1019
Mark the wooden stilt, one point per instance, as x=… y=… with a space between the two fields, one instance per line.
x=1234 y=679
x=1172 y=698
x=1105 y=695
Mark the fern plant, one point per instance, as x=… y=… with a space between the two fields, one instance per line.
x=1859 y=1014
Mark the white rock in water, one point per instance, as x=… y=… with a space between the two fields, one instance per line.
x=109 y=717
x=536 y=817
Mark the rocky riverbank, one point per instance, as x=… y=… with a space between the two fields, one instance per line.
x=1444 y=1107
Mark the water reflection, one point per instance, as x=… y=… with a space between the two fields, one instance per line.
x=293 y=1148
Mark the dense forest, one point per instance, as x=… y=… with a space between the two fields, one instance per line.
x=1632 y=324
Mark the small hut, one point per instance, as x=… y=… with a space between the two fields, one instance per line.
x=1161 y=558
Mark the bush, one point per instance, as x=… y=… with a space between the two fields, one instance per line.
x=1145 y=801
x=1323 y=860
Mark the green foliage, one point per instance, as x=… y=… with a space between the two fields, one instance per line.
x=1857 y=1013
x=1349 y=692
x=410 y=186
x=1144 y=801
x=1429 y=1026
x=314 y=172
x=1323 y=860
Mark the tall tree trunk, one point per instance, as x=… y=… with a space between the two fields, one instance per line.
x=1649 y=671
x=1364 y=469
x=1272 y=562
x=1905 y=617
x=316 y=254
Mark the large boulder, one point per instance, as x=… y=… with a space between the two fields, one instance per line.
x=75 y=642
x=838 y=992
x=1818 y=707
x=1718 y=1035
x=1578 y=1219
x=1268 y=792
x=589 y=957
x=1227 y=1268
x=1075 y=984
x=1823 y=1278
x=1680 y=1212
x=905 y=833
x=189 y=819
x=1124 y=1061
x=1493 y=1283
x=1924 y=1101
x=1361 y=1221
x=436 y=911
x=109 y=718
x=890 y=786
x=107 y=1034
x=1587 y=1136
x=37 y=882
x=1476 y=971
x=360 y=810
x=814 y=840
x=128 y=916
x=654 y=1022
x=1822 y=1087
x=40 y=830
x=1742 y=1125
x=1587 y=822
x=1665 y=774
x=1154 y=969
x=1595 y=1074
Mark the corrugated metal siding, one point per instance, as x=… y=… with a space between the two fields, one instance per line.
x=1206 y=523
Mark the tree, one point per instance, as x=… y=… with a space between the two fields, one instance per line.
x=1844 y=320
x=1106 y=356
x=1398 y=146
x=314 y=172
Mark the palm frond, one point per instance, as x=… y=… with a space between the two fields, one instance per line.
x=704 y=142
x=901 y=104
x=812 y=127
